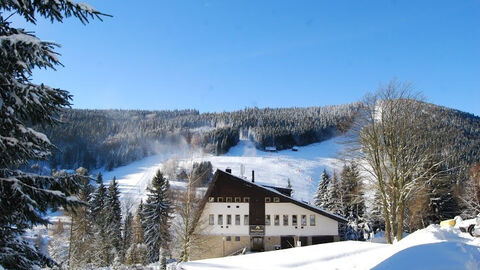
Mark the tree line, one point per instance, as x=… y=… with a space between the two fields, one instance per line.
x=106 y=232
x=109 y=138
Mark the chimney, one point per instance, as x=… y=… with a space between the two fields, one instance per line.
x=228 y=170
x=253 y=176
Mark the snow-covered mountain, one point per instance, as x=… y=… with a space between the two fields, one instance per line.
x=302 y=167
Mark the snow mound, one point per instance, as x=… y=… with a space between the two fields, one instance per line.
x=434 y=248
x=430 y=248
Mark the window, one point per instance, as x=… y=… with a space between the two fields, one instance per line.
x=229 y=238
x=267 y=220
x=220 y=220
x=246 y=199
x=312 y=220
x=285 y=220
x=228 y=199
x=245 y=220
x=237 y=219
x=267 y=199
x=211 y=219
x=229 y=219
x=211 y=199
x=238 y=199
x=237 y=238
x=294 y=220
x=276 y=199
x=220 y=199
x=304 y=220
x=276 y=220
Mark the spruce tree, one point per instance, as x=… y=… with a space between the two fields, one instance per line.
x=334 y=202
x=321 y=195
x=98 y=199
x=81 y=235
x=98 y=214
x=375 y=215
x=353 y=203
x=352 y=189
x=127 y=232
x=156 y=216
x=137 y=252
x=24 y=197
x=113 y=221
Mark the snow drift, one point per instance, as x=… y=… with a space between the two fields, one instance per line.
x=430 y=248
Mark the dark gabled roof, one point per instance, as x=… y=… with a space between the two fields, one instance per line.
x=268 y=190
x=284 y=191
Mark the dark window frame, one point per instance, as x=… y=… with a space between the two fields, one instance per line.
x=229 y=219
x=211 y=219
x=237 y=219
x=303 y=220
x=220 y=219
x=285 y=220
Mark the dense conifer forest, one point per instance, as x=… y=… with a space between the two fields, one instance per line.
x=110 y=138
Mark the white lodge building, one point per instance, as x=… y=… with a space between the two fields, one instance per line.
x=237 y=214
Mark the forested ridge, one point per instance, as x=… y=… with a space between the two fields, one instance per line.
x=110 y=138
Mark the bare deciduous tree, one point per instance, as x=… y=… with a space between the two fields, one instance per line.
x=188 y=226
x=471 y=194
x=393 y=146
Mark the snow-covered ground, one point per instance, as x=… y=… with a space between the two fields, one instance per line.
x=303 y=167
x=430 y=248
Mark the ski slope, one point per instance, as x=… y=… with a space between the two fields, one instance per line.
x=429 y=248
x=303 y=167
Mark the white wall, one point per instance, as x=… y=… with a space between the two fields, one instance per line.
x=217 y=208
x=323 y=224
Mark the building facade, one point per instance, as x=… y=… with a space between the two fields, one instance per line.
x=238 y=214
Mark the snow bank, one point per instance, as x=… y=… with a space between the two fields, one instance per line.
x=430 y=248
x=434 y=248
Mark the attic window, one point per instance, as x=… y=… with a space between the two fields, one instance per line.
x=238 y=199
x=220 y=199
x=267 y=199
x=276 y=199
x=229 y=199
x=211 y=199
x=246 y=199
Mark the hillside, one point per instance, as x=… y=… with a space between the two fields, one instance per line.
x=303 y=167
x=112 y=138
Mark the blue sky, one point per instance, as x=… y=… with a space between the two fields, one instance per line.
x=228 y=55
